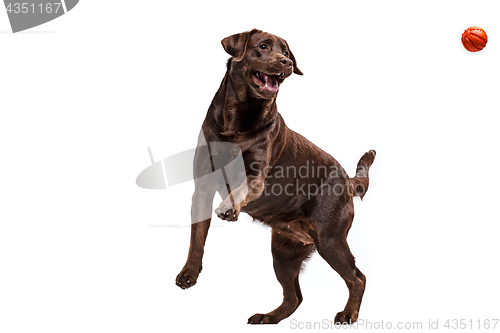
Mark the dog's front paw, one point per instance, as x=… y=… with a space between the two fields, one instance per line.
x=187 y=278
x=262 y=319
x=227 y=211
x=346 y=317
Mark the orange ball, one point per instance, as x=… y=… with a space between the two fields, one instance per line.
x=474 y=39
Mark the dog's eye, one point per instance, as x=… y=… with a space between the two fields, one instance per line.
x=263 y=47
x=286 y=54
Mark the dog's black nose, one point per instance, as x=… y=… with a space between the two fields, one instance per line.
x=287 y=63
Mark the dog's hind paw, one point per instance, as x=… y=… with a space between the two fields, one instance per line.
x=262 y=319
x=346 y=317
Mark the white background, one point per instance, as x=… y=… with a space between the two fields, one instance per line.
x=83 y=249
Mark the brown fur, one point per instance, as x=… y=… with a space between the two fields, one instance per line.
x=245 y=114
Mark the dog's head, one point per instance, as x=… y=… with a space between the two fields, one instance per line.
x=263 y=61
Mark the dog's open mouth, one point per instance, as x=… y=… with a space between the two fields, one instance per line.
x=267 y=82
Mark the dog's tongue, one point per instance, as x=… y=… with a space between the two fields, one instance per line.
x=269 y=81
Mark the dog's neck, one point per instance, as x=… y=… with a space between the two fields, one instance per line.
x=243 y=112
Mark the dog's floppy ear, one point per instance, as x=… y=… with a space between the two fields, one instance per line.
x=236 y=45
x=296 y=70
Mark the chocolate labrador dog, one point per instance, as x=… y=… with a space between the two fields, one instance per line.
x=291 y=185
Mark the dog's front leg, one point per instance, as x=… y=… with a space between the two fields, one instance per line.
x=201 y=209
x=251 y=190
x=206 y=183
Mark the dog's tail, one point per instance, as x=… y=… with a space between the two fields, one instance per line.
x=361 y=181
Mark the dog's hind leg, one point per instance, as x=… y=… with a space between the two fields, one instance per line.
x=332 y=246
x=288 y=256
